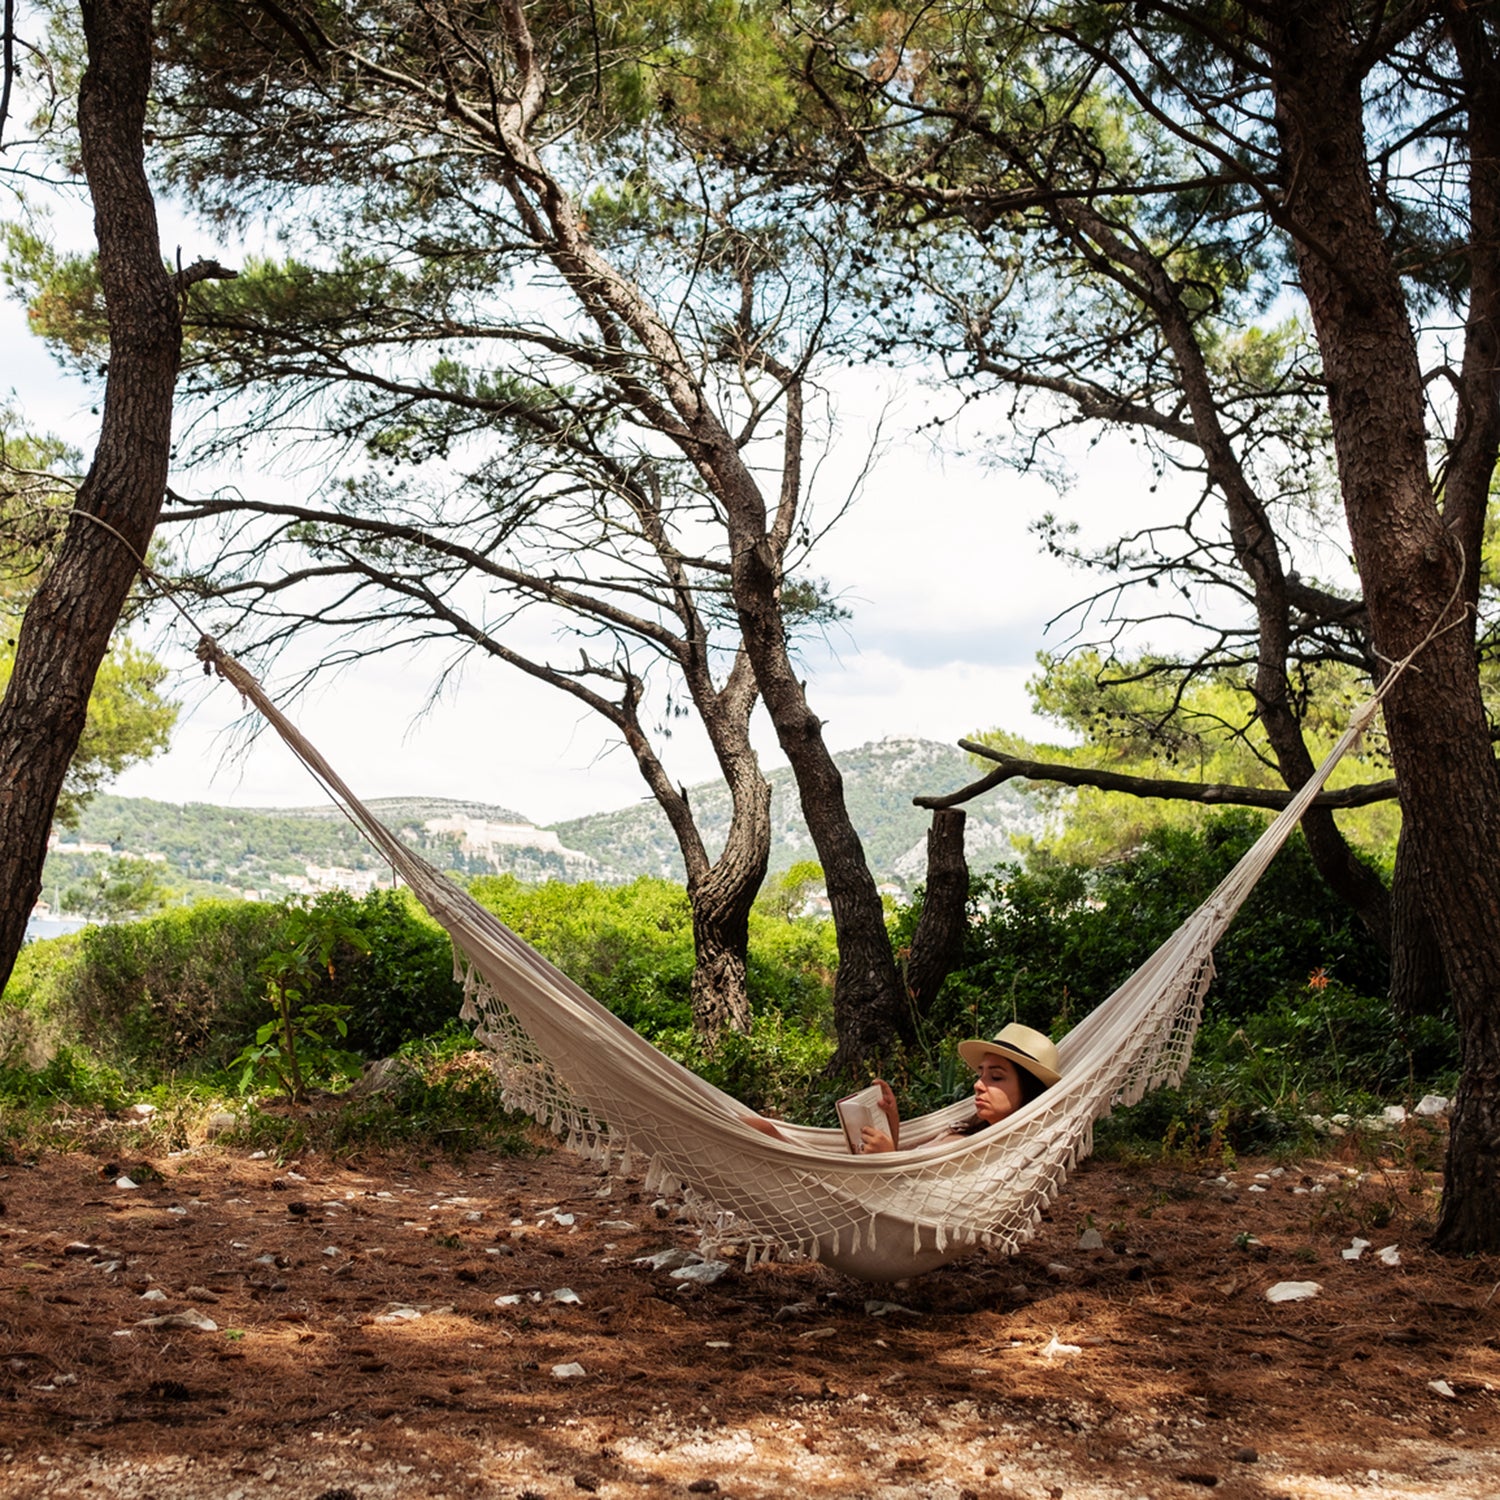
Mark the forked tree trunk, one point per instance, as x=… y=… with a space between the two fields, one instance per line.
x=870 y=1010
x=721 y=896
x=67 y=628
x=937 y=944
x=1415 y=578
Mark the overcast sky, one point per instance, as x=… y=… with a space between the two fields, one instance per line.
x=948 y=590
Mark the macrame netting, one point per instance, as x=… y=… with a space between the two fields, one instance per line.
x=565 y=1060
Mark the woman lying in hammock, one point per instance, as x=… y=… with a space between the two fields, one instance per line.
x=1010 y=1070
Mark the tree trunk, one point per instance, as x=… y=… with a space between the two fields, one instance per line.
x=67 y=628
x=871 y=1013
x=938 y=942
x=721 y=896
x=1415 y=578
x=1418 y=985
x=869 y=1003
x=1257 y=550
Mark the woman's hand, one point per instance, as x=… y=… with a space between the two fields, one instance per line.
x=871 y=1139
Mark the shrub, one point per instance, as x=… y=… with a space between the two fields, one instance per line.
x=402 y=986
x=177 y=988
x=1048 y=943
x=629 y=946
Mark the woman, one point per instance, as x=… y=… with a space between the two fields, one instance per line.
x=1010 y=1070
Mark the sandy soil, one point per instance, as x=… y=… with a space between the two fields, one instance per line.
x=353 y=1344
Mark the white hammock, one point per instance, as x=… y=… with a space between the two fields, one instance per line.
x=567 y=1061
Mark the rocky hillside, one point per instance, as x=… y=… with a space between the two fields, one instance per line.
x=268 y=852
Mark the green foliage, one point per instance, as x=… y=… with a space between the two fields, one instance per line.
x=630 y=946
x=784 y=894
x=779 y=1068
x=296 y=1046
x=1048 y=943
x=64 y=296
x=176 y=990
x=1326 y=1047
x=403 y=985
x=69 y=1076
x=440 y=1090
x=1146 y=718
x=122 y=887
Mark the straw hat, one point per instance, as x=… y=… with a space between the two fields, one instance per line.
x=1024 y=1047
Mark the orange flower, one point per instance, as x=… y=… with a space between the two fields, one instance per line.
x=1318 y=979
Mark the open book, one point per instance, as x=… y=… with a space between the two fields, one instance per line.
x=859 y=1110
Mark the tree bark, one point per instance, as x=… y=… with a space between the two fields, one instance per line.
x=938 y=942
x=722 y=892
x=870 y=1010
x=1418 y=984
x=1415 y=578
x=67 y=628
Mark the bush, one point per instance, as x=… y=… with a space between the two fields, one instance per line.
x=177 y=988
x=403 y=986
x=1047 y=944
x=629 y=946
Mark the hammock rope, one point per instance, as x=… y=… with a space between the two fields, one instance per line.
x=569 y=1063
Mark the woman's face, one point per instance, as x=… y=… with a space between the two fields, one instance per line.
x=997 y=1088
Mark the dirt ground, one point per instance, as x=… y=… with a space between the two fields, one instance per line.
x=389 y=1328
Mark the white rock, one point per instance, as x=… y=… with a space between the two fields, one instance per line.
x=1090 y=1239
x=138 y=1111
x=1394 y=1114
x=125 y=1182
x=1443 y=1389
x=571 y=1371
x=1357 y=1247
x=1293 y=1291
x=188 y=1319
x=400 y=1314
x=567 y=1295
x=619 y=1226
x=705 y=1273
x=154 y=1295
x=1055 y=1348
x=510 y=1299
x=1390 y=1256
x=669 y=1260
x=1431 y=1105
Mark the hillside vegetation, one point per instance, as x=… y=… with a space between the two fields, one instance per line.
x=208 y=850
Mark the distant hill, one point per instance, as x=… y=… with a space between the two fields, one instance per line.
x=880 y=780
x=270 y=851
